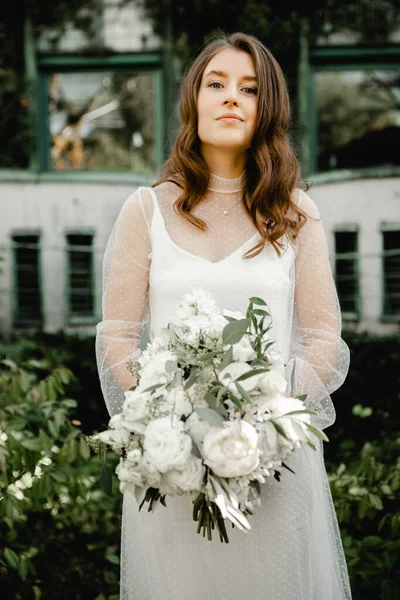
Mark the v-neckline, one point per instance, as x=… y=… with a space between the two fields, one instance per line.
x=195 y=256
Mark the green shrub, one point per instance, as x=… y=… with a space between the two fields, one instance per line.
x=59 y=532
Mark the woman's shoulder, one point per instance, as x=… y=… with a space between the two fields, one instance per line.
x=303 y=201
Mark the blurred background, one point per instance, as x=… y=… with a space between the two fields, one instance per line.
x=89 y=100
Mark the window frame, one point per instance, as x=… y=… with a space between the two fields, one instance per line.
x=74 y=319
x=66 y=63
x=346 y=315
x=17 y=322
x=386 y=318
x=335 y=58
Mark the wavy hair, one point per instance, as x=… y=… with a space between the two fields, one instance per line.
x=272 y=169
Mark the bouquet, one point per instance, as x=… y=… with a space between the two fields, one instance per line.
x=210 y=416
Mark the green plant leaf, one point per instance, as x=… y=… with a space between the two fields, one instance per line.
x=251 y=373
x=106 y=480
x=23 y=568
x=259 y=301
x=11 y=557
x=113 y=558
x=317 y=432
x=211 y=416
x=84 y=449
x=233 y=332
x=31 y=444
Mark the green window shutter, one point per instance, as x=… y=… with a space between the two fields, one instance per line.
x=27 y=300
x=80 y=275
x=347 y=272
x=391 y=273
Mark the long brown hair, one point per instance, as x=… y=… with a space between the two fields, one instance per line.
x=272 y=170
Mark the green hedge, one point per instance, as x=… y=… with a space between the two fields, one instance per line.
x=62 y=539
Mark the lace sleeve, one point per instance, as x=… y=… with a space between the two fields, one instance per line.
x=319 y=357
x=125 y=310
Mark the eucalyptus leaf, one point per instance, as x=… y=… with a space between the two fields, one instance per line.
x=243 y=393
x=216 y=405
x=211 y=416
x=233 y=332
x=191 y=379
x=302 y=397
x=195 y=448
x=227 y=359
x=259 y=301
x=154 y=387
x=251 y=373
x=144 y=338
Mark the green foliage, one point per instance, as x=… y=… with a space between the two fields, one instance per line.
x=58 y=530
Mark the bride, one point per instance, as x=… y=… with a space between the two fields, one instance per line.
x=228 y=215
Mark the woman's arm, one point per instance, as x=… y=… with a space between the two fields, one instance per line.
x=125 y=293
x=319 y=357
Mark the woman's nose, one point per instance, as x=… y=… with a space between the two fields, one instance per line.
x=231 y=96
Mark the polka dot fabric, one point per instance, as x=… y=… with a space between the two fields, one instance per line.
x=294 y=550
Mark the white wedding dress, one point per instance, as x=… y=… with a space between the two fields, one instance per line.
x=293 y=550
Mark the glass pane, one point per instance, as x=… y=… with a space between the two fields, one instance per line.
x=102 y=121
x=80 y=288
x=391 y=269
x=27 y=284
x=346 y=270
x=358 y=119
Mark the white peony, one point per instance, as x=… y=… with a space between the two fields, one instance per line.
x=232 y=450
x=233 y=371
x=216 y=326
x=197 y=428
x=190 y=477
x=166 y=445
x=177 y=402
x=185 y=310
x=272 y=383
x=243 y=351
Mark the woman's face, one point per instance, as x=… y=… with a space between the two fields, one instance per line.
x=228 y=87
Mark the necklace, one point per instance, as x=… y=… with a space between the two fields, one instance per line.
x=226 y=211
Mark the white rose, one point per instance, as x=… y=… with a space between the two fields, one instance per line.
x=232 y=450
x=276 y=360
x=233 y=371
x=243 y=351
x=197 y=428
x=190 y=477
x=127 y=473
x=272 y=383
x=177 y=402
x=155 y=372
x=149 y=473
x=166 y=445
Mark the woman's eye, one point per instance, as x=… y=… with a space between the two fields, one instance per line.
x=215 y=83
x=251 y=90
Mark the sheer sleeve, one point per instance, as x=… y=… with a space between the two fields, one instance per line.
x=319 y=358
x=125 y=312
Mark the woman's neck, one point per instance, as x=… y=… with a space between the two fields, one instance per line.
x=228 y=165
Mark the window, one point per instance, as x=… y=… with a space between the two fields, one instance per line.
x=102 y=121
x=358 y=118
x=391 y=273
x=80 y=276
x=347 y=272
x=27 y=302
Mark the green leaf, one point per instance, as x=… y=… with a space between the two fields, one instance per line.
x=212 y=417
x=31 y=444
x=243 y=393
x=192 y=378
x=260 y=312
x=280 y=429
x=58 y=476
x=154 y=387
x=259 y=301
x=17 y=424
x=11 y=557
x=113 y=558
x=195 y=448
x=23 y=568
x=216 y=405
x=236 y=401
x=171 y=365
x=302 y=397
x=84 y=449
x=375 y=501
x=233 y=332
x=69 y=403
x=53 y=429
x=251 y=373
x=144 y=338
x=317 y=432
x=106 y=480
x=227 y=359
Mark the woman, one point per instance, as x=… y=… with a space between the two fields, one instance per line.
x=228 y=216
